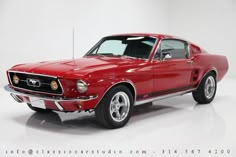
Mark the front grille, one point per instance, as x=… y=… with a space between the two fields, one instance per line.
x=35 y=82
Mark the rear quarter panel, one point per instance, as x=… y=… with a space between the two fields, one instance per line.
x=206 y=62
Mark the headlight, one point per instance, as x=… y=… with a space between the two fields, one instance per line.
x=82 y=86
x=54 y=85
x=16 y=79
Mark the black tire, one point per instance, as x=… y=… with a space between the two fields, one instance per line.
x=39 y=110
x=200 y=95
x=104 y=111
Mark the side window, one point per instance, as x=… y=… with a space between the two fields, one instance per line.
x=174 y=48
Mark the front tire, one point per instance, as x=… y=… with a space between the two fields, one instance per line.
x=39 y=110
x=206 y=90
x=115 y=108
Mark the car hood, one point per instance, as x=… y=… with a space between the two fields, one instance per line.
x=80 y=66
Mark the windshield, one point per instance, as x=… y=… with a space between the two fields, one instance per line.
x=132 y=46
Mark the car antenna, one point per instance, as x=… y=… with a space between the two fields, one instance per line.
x=73 y=44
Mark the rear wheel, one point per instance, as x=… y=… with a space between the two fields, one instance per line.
x=40 y=110
x=206 y=90
x=115 y=108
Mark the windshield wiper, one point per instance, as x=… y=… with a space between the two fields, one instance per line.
x=97 y=54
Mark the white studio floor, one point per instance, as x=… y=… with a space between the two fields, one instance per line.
x=174 y=123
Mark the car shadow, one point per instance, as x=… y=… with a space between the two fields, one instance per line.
x=76 y=123
x=165 y=113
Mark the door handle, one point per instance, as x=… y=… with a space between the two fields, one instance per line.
x=190 y=62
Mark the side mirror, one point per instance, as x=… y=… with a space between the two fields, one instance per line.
x=166 y=55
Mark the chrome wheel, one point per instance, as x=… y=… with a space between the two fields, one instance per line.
x=119 y=106
x=115 y=108
x=209 y=87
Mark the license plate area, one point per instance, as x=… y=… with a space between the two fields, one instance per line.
x=36 y=102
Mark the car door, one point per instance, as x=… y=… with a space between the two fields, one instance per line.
x=172 y=67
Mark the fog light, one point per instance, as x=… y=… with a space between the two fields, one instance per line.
x=16 y=79
x=54 y=85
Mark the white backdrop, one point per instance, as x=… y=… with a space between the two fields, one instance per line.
x=208 y=23
x=37 y=30
x=41 y=30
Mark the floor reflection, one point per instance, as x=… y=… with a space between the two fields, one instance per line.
x=176 y=121
x=70 y=123
x=194 y=119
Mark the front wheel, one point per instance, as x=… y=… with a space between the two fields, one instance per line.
x=206 y=90
x=115 y=108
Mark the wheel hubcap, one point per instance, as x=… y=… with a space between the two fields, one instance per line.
x=209 y=87
x=119 y=106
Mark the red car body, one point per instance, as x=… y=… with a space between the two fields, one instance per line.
x=148 y=79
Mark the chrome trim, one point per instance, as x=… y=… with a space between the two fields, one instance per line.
x=153 y=48
x=37 y=92
x=190 y=62
x=59 y=99
x=30 y=73
x=8 y=73
x=158 y=46
x=189 y=54
x=145 y=59
x=9 y=78
x=58 y=106
x=16 y=98
x=120 y=105
x=33 y=81
x=84 y=83
x=163 y=97
x=129 y=82
x=209 y=87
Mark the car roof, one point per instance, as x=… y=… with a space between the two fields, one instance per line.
x=146 y=34
x=155 y=35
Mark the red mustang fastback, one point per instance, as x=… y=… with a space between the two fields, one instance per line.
x=120 y=71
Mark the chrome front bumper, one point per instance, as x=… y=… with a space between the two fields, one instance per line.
x=56 y=100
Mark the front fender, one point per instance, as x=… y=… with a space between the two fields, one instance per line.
x=101 y=86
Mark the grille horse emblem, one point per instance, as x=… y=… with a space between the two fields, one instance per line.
x=33 y=82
